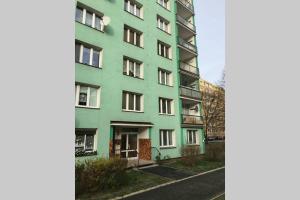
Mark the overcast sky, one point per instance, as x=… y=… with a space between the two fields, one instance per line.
x=210 y=23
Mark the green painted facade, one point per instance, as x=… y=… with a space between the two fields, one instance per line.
x=112 y=82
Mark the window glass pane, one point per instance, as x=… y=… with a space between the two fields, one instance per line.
x=194 y=137
x=124 y=100
x=126 y=5
x=137 y=70
x=131 y=38
x=167 y=79
x=162 y=77
x=86 y=55
x=83 y=96
x=160 y=142
x=162 y=50
x=167 y=52
x=165 y=138
x=131 y=101
x=89 y=142
x=96 y=58
x=79 y=141
x=159 y=103
x=89 y=19
x=138 y=40
x=125 y=67
x=138 y=102
x=164 y=106
x=168 y=106
x=131 y=8
x=93 y=97
x=125 y=34
x=138 y=12
x=170 y=138
x=98 y=23
x=77 y=52
x=189 y=137
x=79 y=14
x=131 y=68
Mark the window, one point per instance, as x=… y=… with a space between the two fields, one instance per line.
x=88 y=55
x=167 y=138
x=163 y=50
x=164 y=3
x=89 y=18
x=132 y=101
x=166 y=106
x=87 y=96
x=132 y=36
x=132 y=68
x=134 y=8
x=85 y=140
x=163 y=24
x=164 y=77
x=192 y=137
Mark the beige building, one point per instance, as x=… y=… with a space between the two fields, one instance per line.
x=213 y=109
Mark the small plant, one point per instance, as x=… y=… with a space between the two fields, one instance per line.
x=215 y=151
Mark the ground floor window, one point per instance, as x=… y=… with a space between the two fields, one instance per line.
x=85 y=140
x=167 y=138
x=192 y=136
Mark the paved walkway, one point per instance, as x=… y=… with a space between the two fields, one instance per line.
x=166 y=172
x=203 y=187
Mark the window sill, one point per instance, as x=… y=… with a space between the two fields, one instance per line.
x=163 y=7
x=166 y=114
x=169 y=147
x=97 y=108
x=134 y=15
x=165 y=57
x=88 y=65
x=133 y=111
x=193 y=144
x=134 y=45
x=133 y=77
x=164 y=31
x=90 y=26
x=171 y=86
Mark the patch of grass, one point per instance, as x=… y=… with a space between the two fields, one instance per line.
x=138 y=180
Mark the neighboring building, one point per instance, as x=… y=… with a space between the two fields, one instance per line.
x=136 y=79
x=213 y=109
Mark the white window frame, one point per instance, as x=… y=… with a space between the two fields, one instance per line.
x=91 y=55
x=195 y=141
x=93 y=20
x=134 y=8
x=166 y=25
x=135 y=34
x=77 y=86
x=84 y=143
x=161 y=131
x=127 y=60
x=166 y=105
x=166 y=48
x=134 y=102
x=167 y=74
x=165 y=4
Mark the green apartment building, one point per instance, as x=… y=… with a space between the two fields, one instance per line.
x=136 y=79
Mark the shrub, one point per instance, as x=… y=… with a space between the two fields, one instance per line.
x=215 y=151
x=190 y=155
x=100 y=174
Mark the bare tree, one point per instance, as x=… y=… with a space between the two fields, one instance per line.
x=213 y=108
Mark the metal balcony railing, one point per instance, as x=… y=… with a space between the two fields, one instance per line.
x=186 y=23
x=187 y=67
x=187 y=4
x=192 y=119
x=189 y=92
x=186 y=44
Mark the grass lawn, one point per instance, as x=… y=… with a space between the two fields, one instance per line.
x=138 y=181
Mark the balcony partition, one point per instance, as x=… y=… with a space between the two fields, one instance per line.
x=192 y=119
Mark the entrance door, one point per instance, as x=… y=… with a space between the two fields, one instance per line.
x=129 y=145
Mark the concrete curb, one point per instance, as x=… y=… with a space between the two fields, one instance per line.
x=217 y=196
x=165 y=184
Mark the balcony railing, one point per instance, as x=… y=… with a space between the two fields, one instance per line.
x=187 y=67
x=186 y=44
x=192 y=119
x=187 y=4
x=186 y=23
x=189 y=92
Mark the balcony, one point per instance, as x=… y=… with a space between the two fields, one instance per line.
x=189 y=92
x=192 y=119
x=189 y=68
x=187 y=45
x=186 y=23
x=187 y=5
